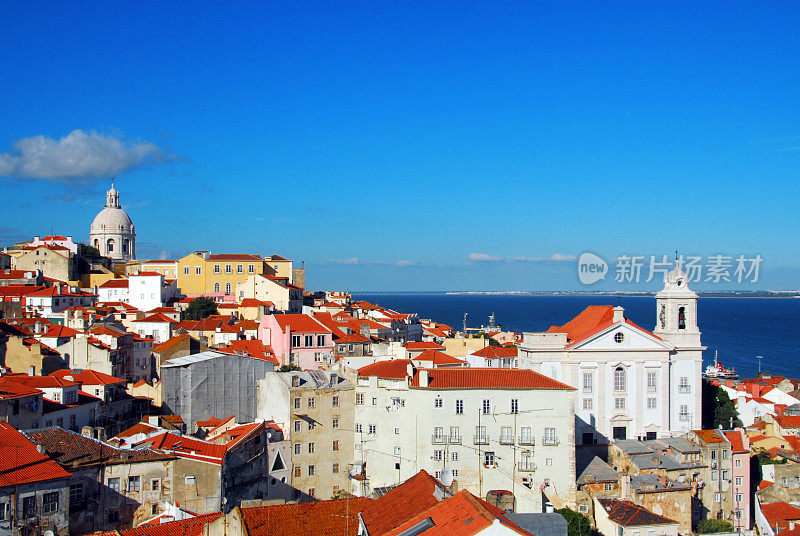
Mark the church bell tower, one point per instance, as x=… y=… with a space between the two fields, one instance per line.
x=676 y=311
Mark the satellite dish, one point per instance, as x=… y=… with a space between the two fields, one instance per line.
x=49 y=532
x=446 y=477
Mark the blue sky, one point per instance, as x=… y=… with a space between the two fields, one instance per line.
x=410 y=145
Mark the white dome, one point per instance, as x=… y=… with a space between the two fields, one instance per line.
x=112 y=220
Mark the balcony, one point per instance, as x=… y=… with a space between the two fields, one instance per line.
x=684 y=389
x=550 y=441
x=506 y=440
x=526 y=466
x=684 y=417
x=455 y=439
x=480 y=439
x=526 y=440
x=438 y=439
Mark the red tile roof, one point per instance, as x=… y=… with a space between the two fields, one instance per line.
x=115 y=283
x=21 y=462
x=251 y=348
x=102 y=330
x=187 y=447
x=423 y=345
x=214 y=422
x=737 y=443
x=488 y=378
x=413 y=496
x=88 y=377
x=496 y=352
x=438 y=358
x=628 y=514
x=10 y=389
x=169 y=343
x=318 y=518
x=460 y=515
x=592 y=320
x=233 y=257
x=40 y=382
x=780 y=513
x=185 y=527
x=395 y=369
x=300 y=323
x=788 y=421
x=252 y=302
x=353 y=337
x=157 y=317
x=709 y=436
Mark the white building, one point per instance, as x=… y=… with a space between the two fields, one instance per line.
x=112 y=231
x=492 y=428
x=632 y=383
x=56 y=240
x=52 y=301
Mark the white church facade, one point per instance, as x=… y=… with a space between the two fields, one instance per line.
x=112 y=231
x=632 y=383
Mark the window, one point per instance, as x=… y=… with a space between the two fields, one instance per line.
x=3 y=511
x=438 y=455
x=619 y=337
x=358 y=428
x=216 y=287
x=197 y=271
x=373 y=429
x=584 y=509
x=684 y=413
x=75 y=495
x=397 y=451
x=335 y=468
x=619 y=379
x=651 y=381
x=335 y=423
x=321 y=340
x=514 y=406
x=154 y=509
x=297 y=403
x=189 y=480
x=239 y=269
x=216 y=268
x=397 y=431
x=297 y=426
x=486 y=406
x=480 y=435
x=359 y=399
x=28 y=506
x=312 y=492
x=227 y=268
x=437 y=402
x=724 y=454
x=548 y=461
x=619 y=403
x=185 y=270
x=683 y=387
x=739 y=497
x=737 y=463
x=651 y=403
x=455 y=434
x=311 y=470
x=311 y=402
x=374 y=401
x=587 y=403
x=525 y=436
x=155 y=484
x=311 y=426
x=309 y=340
x=459 y=407
x=228 y=288
x=113 y=484
x=488 y=459
x=506 y=435
x=726 y=475
x=588 y=382
x=297 y=447
x=133 y=483
x=717 y=497
x=336 y=445
x=251 y=268
x=438 y=434
x=608 y=487
x=550 y=436
x=454 y=456
x=738 y=481
x=298 y=472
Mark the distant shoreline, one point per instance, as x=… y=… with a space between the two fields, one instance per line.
x=701 y=294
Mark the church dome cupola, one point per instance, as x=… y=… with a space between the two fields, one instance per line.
x=112 y=231
x=676 y=315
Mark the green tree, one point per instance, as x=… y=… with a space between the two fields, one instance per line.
x=88 y=252
x=711 y=526
x=577 y=524
x=718 y=409
x=200 y=308
x=288 y=368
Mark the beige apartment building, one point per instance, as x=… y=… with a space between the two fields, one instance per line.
x=315 y=410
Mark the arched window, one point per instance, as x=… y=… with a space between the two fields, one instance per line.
x=125 y=245
x=682 y=318
x=227 y=288
x=110 y=245
x=619 y=379
x=97 y=244
x=216 y=287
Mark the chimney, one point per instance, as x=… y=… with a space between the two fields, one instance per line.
x=58 y=289
x=40 y=449
x=410 y=370
x=423 y=378
x=619 y=315
x=37 y=327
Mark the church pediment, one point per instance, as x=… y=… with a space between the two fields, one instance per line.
x=623 y=337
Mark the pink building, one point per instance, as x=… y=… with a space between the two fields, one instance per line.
x=297 y=339
x=740 y=451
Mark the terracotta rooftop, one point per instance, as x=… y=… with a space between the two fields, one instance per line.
x=496 y=352
x=317 y=518
x=423 y=345
x=488 y=378
x=185 y=527
x=300 y=323
x=172 y=341
x=709 y=436
x=413 y=496
x=73 y=449
x=780 y=513
x=438 y=358
x=21 y=462
x=395 y=369
x=592 y=320
x=628 y=514
x=88 y=377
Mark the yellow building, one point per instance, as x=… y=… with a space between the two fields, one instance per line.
x=278 y=267
x=203 y=273
x=166 y=267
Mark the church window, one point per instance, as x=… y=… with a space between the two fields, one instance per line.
x=227 y=288
x=619 y=403
x=651 y=403
x=619 y=337
x=125 y=246
x=110 y=245
x=216 y=287
x=96 y=245
x=587 y=382
x=652 y=379
x=682 y=318
x=662 y=316
x=619 y=379
x=683 y=387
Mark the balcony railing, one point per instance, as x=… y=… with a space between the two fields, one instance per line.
x=684 y=389
x=455 y=439
x=526 y=440
x=551 y=441
x=480 y=439
x=439 y=439
x=526 y=465
x=684 y=417
x=506 y=440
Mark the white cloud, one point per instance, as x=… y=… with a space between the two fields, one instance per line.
x=79 y=155
x=405 y=263
x=351 y=260
x=483 y=257
x=556 y=257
